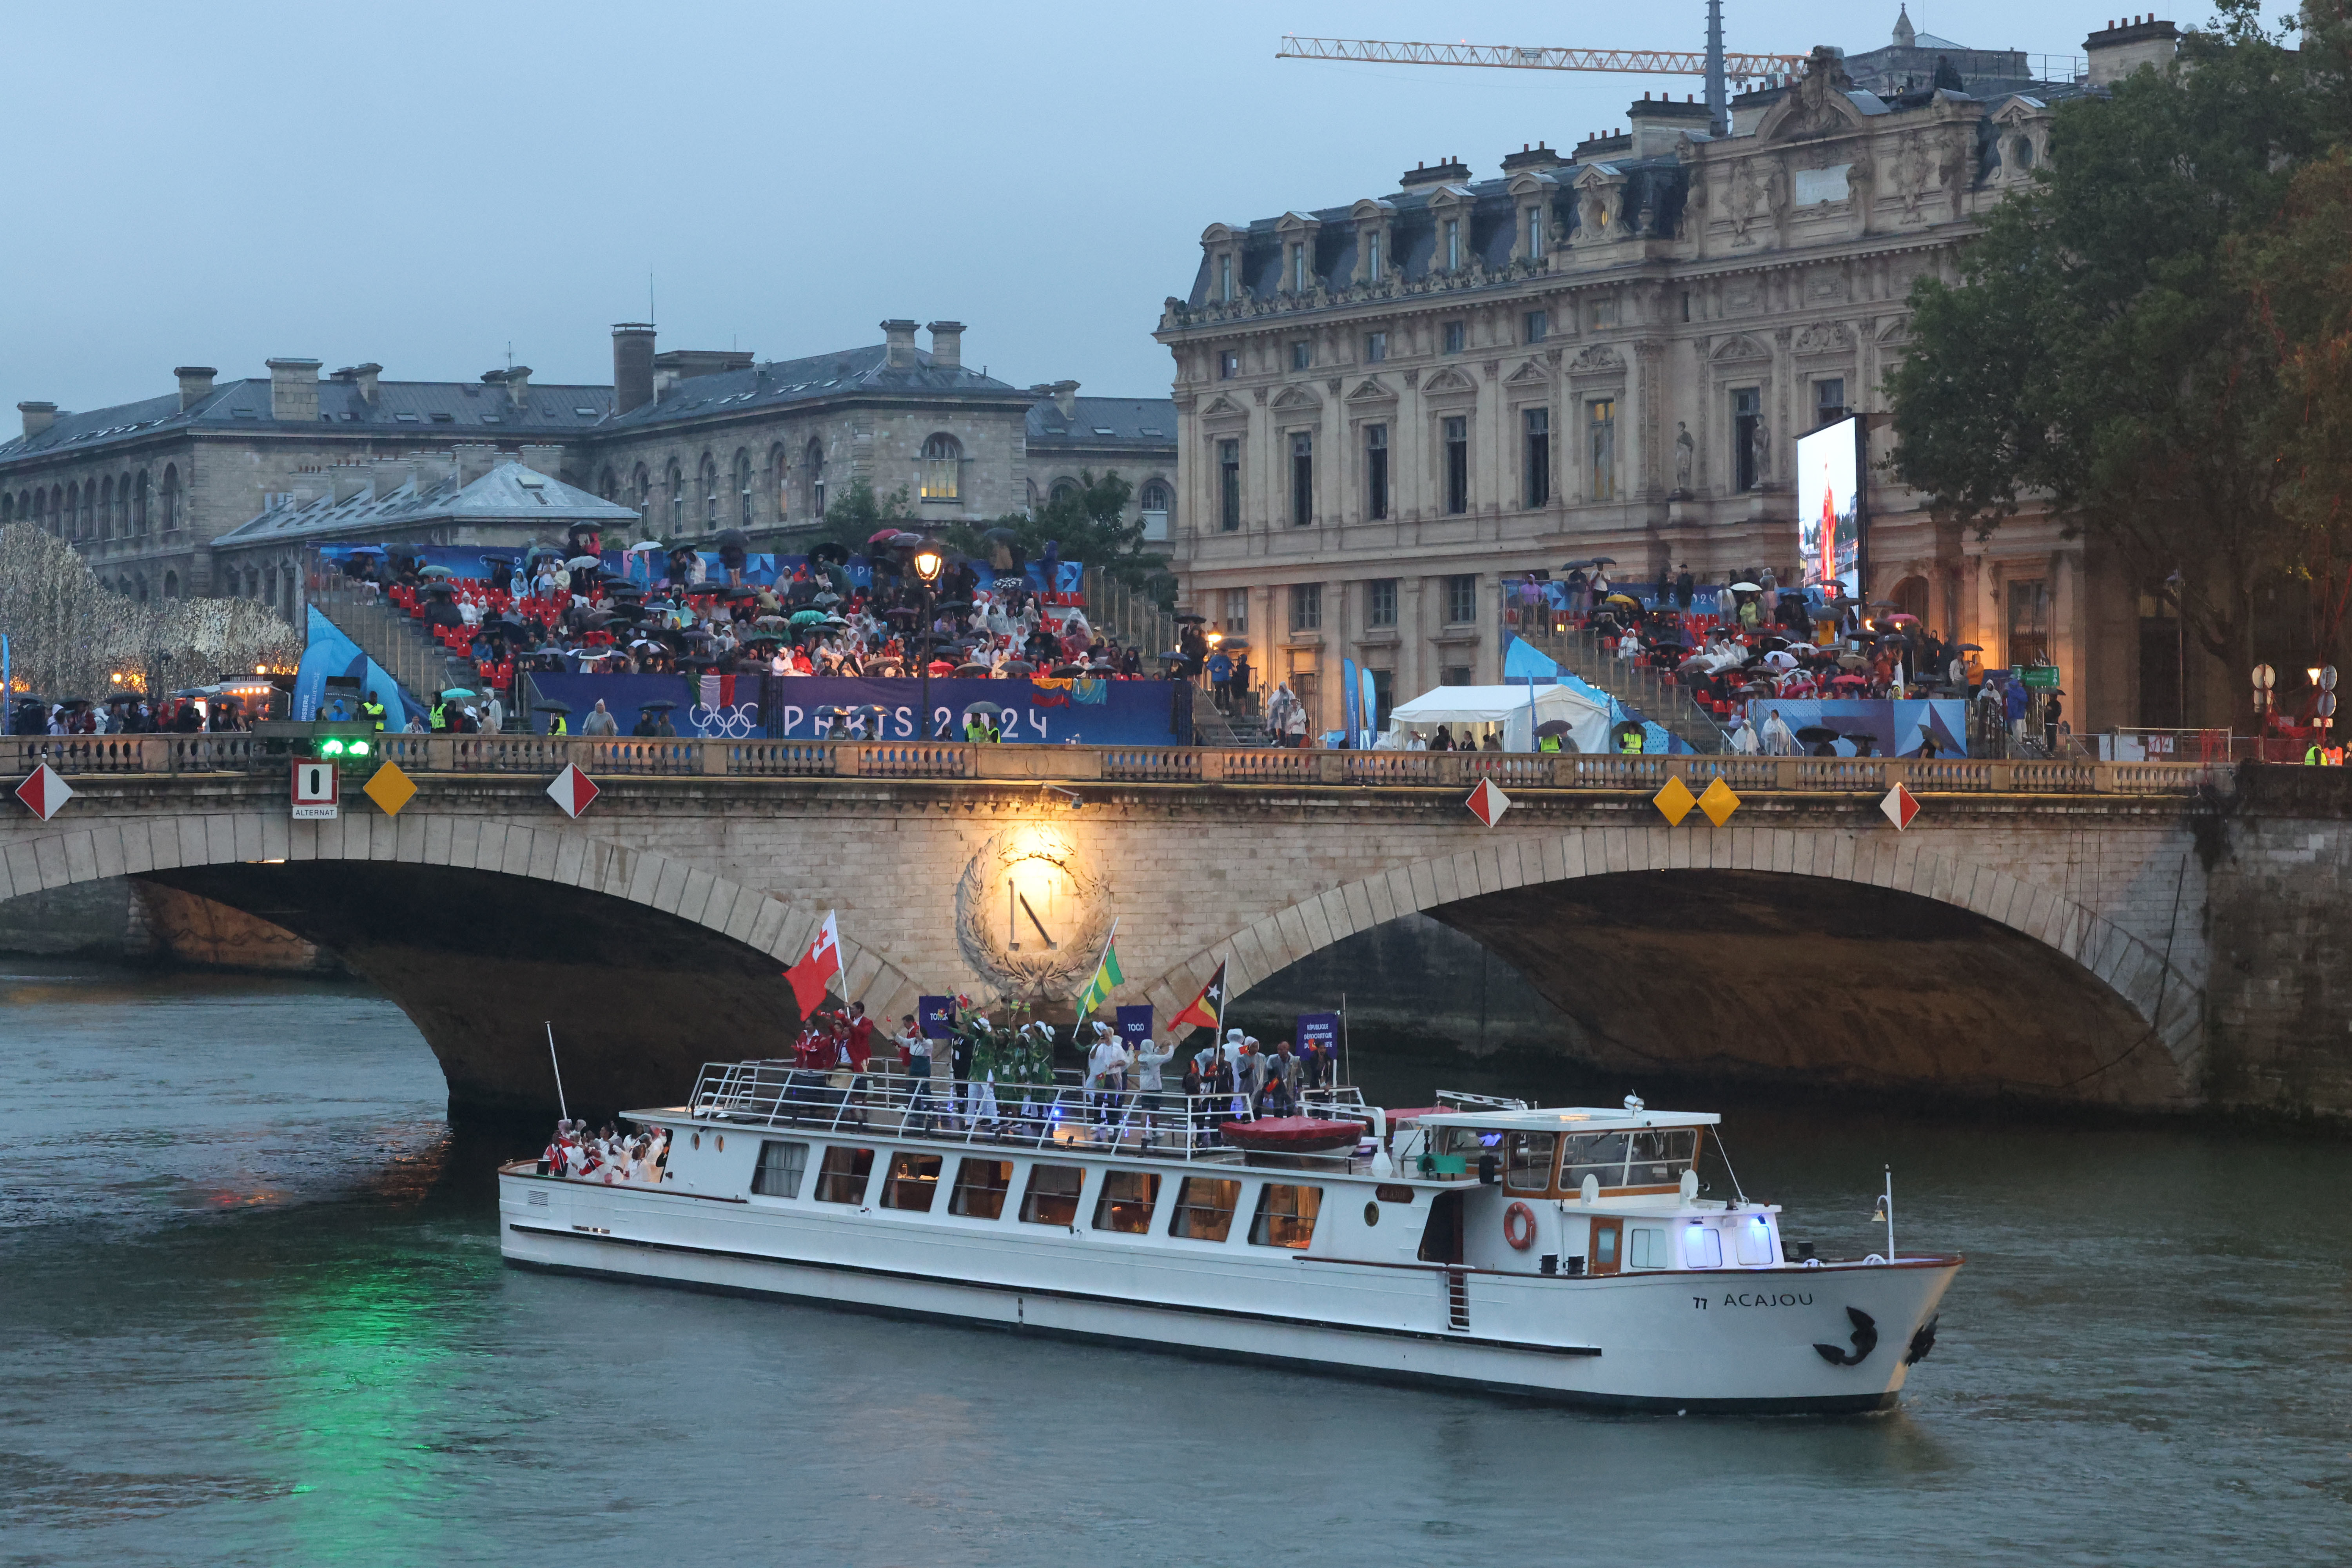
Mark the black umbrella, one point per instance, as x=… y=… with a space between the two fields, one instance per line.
x=1817 y=734
x=550 y=708
x=1191 y=620
x=827 y=550
x=661 y=706
x=1553 y=727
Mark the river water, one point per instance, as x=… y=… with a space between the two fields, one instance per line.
x=252 y=1310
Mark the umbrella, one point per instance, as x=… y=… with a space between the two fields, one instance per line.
x=1019 y=667
x=972 y=669
x=991 y=709
x=1553 y=727
x=808 y=617
x=1848 y=680
x=662 y=705
x=1621 y=599
x=1574 y=565
x=1972 y=647
x=727 y=536
x=550 y=708
x=1746 y=588
x=460 y=692
x=583 y=562
x=1172 y=657
x=1817 y=735
x=1191 y=620
x=887 y=536
x=1903 y=615
x=827 y=597
x=436 y=571
x=644 y=547
x=826 y=549
x=1604 y=561
x=778 y=620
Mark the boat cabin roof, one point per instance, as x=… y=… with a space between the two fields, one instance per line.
x=1569 y=1118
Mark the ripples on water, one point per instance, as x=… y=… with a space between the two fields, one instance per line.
x=252 y=1310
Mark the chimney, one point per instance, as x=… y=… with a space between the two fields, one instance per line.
x=474 y=458
x=348 y=480
x=195 y=384
x=1065 y=397
x=1656 y=124
x=547 y=459
x=362 y=377
x=38 y=416
x=633 y=365
x=516 y=379
x=1445 y=170
x=899 y=339
x=294 y=390
x=388 y=474
x=947 y=344
x=2115 y=52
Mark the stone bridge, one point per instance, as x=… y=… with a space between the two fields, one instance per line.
x=2143 y=936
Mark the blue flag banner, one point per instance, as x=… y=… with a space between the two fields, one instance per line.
x=935 y=1017
x=1135 y=1024
x=1895 y=727
x=1351 y=708
x=1320 y=1029
x=332 y=653
x=814 y=708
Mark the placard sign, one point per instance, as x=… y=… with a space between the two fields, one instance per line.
x=1135 y=1024
x=316 y=791
x=935 y=1017
x=1319 y=1029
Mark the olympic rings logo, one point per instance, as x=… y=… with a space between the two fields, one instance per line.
x=719 y=723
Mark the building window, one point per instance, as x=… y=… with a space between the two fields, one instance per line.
x=1302 y=478
x=1156 y=499
x=1376 y=470
x=1453 y=336
x=1829 y=401
x=1229 y=486
x=1226 y=278
x=1229 y=365
x=1299 y=269
x=1302 y=356
x=1454 y=675
x=1537 y=484
x=1461 y=600
x=1535 y=233
x=1380 y=602
x=171 y=507
x=1376 y=347
x=1236 y=617
x=170 y=584
x=1538 y=326
x=1605 y=313
x=710 y=494
x=1306 y=606
x=1747 y=418
x=1372 y=256
x=1452 y=244
x=1064 y=490
x=2029 y=620
x=1457 y=464
x=942 y=468
x=814 y=461
x=1600 y=430
x=139 y=509
x=743 y=488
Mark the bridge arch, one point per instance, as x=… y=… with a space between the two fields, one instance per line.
x=608 y=944
x=2138 y=1014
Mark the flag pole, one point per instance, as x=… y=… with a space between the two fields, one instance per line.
x=562 y=1109
x=1345 y=1065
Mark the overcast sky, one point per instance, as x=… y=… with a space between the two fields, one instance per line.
x=423 y=184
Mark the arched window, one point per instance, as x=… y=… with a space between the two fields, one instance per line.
x=1155 y=496
x=40 y=512
x=77 y=514
x=171 y=511
x=608 y=484
x=776 y=481
x=106 y=507
x=1064 y=490
x=122 y=506
x=8 y=509
x=1910 y=598
x=814 y=463
x=742 y=488
x=122 y=586
x=942 y=468
x=138 y=521
x=171 y=584
x=641 y=486
x=709 y=493
x=676 y=479
x=270 y=588
x=142 y=593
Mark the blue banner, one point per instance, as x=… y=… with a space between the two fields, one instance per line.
x=1351 y=711
x=1135 y=1024
x=329 y=652
x=811 y=707
x=1319 y=1029
x=1896 y=728
x=935 y=1017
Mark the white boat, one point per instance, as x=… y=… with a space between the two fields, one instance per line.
x=1557 y=1254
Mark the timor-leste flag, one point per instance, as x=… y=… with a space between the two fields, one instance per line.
x=1208 y=1009
x=1108 y=977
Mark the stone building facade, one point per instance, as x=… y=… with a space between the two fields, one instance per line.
x=1387 y=408
x=693 y=440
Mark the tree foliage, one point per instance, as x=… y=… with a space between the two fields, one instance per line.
x=1089 y=523
x=2106 y=352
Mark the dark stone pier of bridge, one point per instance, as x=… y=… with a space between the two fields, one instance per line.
x=2148 y=938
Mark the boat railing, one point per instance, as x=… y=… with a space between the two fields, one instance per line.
x=1162 y=1124
x=1455 y=1097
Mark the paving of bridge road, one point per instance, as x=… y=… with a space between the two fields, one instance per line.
x=254 y=1312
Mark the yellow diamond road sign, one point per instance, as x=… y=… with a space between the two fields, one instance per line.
x=1718 y=802
x=1675 y=800
x=390 y=789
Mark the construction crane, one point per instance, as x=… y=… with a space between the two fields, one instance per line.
x=1713 y=64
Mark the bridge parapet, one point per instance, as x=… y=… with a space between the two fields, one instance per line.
x=695 y=757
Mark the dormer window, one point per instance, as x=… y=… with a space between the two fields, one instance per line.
x=1225 y=279
x=1452 y=244
x=1535 y=233
x=1299 y=269
x=1372 y=256
x=2022 y=154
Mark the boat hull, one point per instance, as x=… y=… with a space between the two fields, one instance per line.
x=1719 y=1340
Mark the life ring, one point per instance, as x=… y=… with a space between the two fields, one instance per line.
x=1519 y=1227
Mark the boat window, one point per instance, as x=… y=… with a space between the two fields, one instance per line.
x=913 y=1182
x=1205 y=1208
x=1470 y=1142
x=778 y=1174
x=980 y=1188
x=842 y=1178
x=1285 y=1216
x=1053 y=1195
x=1702 y=1246
x=1529 y=1168
x=1646 y=1248
x=1601 y=1155
x=1126 y=1202
x=1393 y=1193
x=1755 y=1241
x=1659 y=1157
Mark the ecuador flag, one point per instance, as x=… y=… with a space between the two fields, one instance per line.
x=1107 y=975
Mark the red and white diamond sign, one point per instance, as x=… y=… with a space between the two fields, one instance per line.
x=573 y=790
x=44 y=792
x=1900 y=807
x=1487 y=804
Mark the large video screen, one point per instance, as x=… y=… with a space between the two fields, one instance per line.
x=1826 y=506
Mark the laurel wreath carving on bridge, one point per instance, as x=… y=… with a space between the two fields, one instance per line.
x=1024 y=860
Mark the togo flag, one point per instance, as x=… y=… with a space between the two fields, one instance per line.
x=1107 y=975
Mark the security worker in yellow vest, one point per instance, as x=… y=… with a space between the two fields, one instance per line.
x=373 y=710
x=440 y=715
x=1630 y=744
x=1548 y=744
x=556 y=728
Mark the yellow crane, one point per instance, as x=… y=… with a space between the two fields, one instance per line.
x=1713 y=64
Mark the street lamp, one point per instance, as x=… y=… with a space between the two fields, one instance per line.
x=928 y=563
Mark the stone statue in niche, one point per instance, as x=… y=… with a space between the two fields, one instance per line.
x=1596 y=210
x=1761 y=447
x=1686 y=454
x=1911 y=175
x=1757 y=188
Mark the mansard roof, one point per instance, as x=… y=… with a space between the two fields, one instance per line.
x=846 y=372
x=507 y=493
x=1139 y=421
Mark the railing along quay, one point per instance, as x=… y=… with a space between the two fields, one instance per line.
x=691 y=757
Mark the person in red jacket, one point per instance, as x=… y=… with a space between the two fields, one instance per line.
x=860 y=1038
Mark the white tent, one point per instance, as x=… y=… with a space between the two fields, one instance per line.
x=1508 y=706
